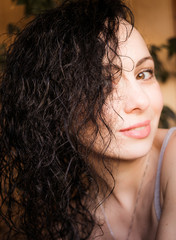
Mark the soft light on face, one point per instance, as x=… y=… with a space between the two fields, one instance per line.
x=133 y=109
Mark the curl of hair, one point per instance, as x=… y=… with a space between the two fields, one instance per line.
x=54 y=75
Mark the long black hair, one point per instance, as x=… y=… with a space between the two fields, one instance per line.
x=53 y=85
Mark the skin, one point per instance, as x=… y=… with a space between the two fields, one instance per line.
x=136 y=98
x=133 y=99
x=166 y=228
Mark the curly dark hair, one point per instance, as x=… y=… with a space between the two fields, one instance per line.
x=53 y=85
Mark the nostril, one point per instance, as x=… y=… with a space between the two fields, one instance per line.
x=136 y=101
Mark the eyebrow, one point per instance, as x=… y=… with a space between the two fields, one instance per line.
x=143 y=60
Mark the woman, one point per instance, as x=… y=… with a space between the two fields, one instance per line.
x=80 y=144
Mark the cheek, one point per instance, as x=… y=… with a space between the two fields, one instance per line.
x=156 y=99
x=99 y=140
x=112 y=108
x=95 y=138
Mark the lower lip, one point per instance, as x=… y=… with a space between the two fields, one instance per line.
x=139 y=133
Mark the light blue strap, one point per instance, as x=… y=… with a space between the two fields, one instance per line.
x=157 y=203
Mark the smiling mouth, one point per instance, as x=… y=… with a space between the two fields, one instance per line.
x=139 y=131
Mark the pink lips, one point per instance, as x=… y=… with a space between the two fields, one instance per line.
x=139 y=131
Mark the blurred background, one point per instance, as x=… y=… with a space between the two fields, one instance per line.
x=155 y=19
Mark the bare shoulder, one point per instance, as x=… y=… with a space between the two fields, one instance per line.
x=171 y=144
x=169 y=159
x=167 y=224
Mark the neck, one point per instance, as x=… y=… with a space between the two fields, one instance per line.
x=126 y=180
x=130 y=181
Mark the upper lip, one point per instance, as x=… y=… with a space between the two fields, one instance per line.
x=141 y=124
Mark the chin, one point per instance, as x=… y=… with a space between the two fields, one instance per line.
x=130 y=149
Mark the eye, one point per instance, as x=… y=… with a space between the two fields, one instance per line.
x=145 y=75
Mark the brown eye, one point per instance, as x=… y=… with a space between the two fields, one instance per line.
x=145 y=75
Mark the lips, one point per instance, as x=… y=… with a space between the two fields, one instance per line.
x=139 y=131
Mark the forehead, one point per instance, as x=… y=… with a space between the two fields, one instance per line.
x=131 y=48
x=131 y=43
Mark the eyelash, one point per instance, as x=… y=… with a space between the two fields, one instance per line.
x=150 y=71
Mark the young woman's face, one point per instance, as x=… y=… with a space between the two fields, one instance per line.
x=133 y=109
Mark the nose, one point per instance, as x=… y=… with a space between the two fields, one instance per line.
x=136 y=99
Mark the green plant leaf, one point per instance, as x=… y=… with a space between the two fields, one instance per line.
x=20 y=2
x=161 y=73
x=171 y=47
x=2 y=55
x=33 y=7
x=167 y=115
x=12 y=28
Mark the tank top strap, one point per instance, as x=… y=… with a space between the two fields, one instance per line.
x=157 y=203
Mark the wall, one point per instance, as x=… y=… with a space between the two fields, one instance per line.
x=9 y=13
x=155 y=19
